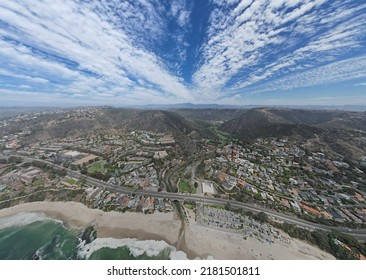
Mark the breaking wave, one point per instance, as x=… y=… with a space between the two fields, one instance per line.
x=22 y=219
x=150 y=248
x=55 y=245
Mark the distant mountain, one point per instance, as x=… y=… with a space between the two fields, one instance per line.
x=186 y=106
x=354 y=108
x=8 y=112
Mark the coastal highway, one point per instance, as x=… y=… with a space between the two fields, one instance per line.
x=359 y=234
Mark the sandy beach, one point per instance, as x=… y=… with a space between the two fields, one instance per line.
x=109 y=224
x=198 y=241
x=224 y=245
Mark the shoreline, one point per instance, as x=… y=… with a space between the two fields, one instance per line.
x=108 y=224
x=199 y=241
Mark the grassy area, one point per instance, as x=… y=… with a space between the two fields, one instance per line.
x=185 y=188
x=215 y=206
x=70 y=181
x=96 y=167
x=223 y=136
x=189 y=205
x=38 y=183
x=132 y=187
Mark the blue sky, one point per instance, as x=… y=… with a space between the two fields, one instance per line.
x=113 y=52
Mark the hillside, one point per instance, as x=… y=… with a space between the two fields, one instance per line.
x=263 y=122
x=185 y=132
x=338 y=132
x=209 y=115
x=341 y=132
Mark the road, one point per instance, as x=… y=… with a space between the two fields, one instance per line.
x=359 y=234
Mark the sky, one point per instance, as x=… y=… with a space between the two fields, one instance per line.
x=135 y=52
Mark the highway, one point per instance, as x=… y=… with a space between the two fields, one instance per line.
x=359 y=234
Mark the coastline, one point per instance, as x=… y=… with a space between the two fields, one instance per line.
x=108 y=224
x=199 y=241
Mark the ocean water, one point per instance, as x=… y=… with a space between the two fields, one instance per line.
x=27 y=236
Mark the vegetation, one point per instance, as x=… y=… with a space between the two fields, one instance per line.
x=70 y=181
x=37 y=182
x=51 y=176
x=189 y=205
x=82 y=181
x=224 y=137
x=216 y=206
x=97 y=167
x=228 y=206
x=340 y=245
x=261 y=217
x=185 y=187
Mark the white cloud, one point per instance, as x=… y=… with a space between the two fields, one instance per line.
x=25 y=87
x=183 y=18
x=225 y=2
x=84 y=35
x=112 y=49
x=340 y=71
x=259 y=40
x=23 y=77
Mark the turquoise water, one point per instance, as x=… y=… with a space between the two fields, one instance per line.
x=47 y=239
x=50 y=240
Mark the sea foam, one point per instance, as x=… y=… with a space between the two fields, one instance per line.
x=136 y=247
x=21 y=219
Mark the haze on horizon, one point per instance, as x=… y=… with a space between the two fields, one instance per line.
x=135 y=52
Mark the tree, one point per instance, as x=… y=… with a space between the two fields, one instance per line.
x=228 y=206
x=51 y=175
x=82 y=181
x=321 y=238
x=261 y=217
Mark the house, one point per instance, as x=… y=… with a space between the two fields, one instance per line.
x=310 y=209
x=87 y=160
x=295 y=206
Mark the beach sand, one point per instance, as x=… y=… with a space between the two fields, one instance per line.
x=198 y=241
x=224 y=245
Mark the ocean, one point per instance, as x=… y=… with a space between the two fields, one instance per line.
x=27 y=236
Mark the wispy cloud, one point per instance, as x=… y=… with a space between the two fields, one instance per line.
x=345 y=70
x=259 y=41
x=87 y=47
x=144 y=51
